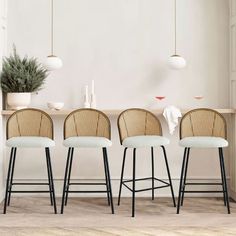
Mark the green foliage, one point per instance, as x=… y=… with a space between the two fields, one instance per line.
x=22 y=74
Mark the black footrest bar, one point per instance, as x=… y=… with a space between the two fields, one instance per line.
x=46 y=191
x=71 y=191
x=30 y=183
x=203 y=184
x=87 y=183
x=148 y=178
x=203 y=191
x=146 y=189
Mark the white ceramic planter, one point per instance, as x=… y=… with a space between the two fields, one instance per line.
x=18 y=101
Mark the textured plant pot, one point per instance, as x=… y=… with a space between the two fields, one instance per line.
x=18 y=101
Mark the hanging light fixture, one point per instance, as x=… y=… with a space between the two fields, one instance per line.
x=52 y=62
x=176 y=61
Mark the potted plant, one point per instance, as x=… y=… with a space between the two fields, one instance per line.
x=19 y=78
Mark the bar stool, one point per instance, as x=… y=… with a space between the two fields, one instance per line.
x=202 y=128
x=29 y=128
x=139 y=128
x=87 y=128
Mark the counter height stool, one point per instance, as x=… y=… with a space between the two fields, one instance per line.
x=140 y=128
x=202 y=128
x=29 y=128
x=87 y=128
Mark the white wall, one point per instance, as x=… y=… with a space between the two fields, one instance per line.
x=124 y=46
x=3 y=49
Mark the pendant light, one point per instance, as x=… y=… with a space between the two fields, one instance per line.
x=176 y=61
x=52 y=62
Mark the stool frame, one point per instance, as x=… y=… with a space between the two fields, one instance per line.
x=152 y=126
x=11 y=166
x=190 y=130
x=72 y=118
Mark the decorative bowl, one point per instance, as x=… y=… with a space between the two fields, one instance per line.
x=55 y=105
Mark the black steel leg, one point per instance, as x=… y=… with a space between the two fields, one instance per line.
x=7 y=181
x=185 y=176
x=69 y=174
x=169 y=176
x=52 y=182
x=122 y=174
x=49 y=178
x=133 y=192
x=106 y=177
x=222 y=178
x=152 y=154
x=225 y=180
x=11 y=178
x=181 y=181
x=65 y=179
x=109 y=179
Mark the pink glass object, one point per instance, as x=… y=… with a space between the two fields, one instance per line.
x=160 y=97
x=198 y=97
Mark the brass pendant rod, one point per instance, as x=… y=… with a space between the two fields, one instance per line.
x=52 y=26
x=175 y=27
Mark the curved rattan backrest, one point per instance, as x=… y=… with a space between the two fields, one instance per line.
x=87 y=122
x=135 y=121
x=203 y=122
x=29 y=122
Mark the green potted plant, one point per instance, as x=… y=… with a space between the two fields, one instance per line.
x=19 y=78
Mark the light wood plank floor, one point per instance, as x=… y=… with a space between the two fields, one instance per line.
x=91 y=216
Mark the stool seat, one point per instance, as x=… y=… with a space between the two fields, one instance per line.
x=87 y=141
x=30 y=142
x=145 y=141
x=203 y=142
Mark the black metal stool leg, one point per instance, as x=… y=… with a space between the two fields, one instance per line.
x=49 y=178
x=52 y=182
x=109 y=179
x=122 y=174
x=152 y=156
x=11 y=178
x=65 y=178
x=181 y=181
x=185 y=176
x=7 y=181
x=133 y=192
x=106 y=178
x=169 y=176
x=224 y=178
x=69 y=174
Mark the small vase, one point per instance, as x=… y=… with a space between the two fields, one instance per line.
x=93 y=103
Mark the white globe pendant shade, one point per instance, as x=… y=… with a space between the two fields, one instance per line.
x=177 y=62
x=53 y=63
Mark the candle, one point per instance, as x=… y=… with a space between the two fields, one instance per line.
x=92 y=86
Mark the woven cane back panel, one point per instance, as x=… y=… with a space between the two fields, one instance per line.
x=87 y=122
x=203 y=122
x=134 y=122
x=29 y=122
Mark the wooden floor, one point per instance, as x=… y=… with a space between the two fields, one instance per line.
x=91 y=216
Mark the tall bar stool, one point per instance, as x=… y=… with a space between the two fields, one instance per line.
x=87 y=128
x=202 y=128
x=139 y=128
x=29 y=128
